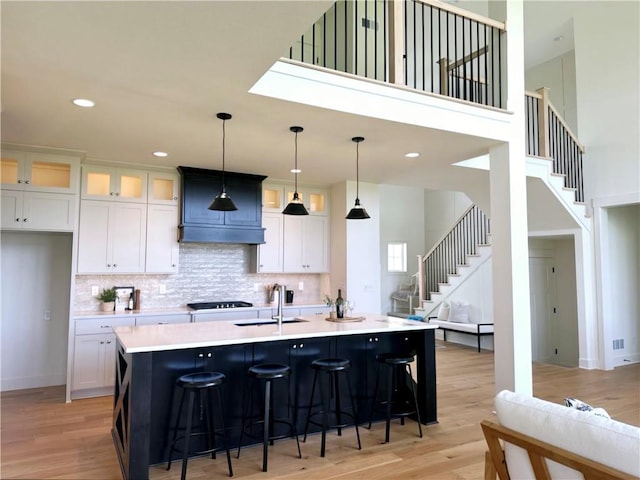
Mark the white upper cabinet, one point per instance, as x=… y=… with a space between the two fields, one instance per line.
x=163 y=188
x=114 y=184
x=314 y=199
x=306 y=244
x=112 y=237
x=271 y=251
x=163 y=248
x=28 y=171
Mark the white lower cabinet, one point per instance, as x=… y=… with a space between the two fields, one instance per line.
x=247 y=314
x=95 y=355
x=112 y=237
x=41 y=211
x=163 y=319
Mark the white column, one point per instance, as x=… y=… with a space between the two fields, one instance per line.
x=509 y=231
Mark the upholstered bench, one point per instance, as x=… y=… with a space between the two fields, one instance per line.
x=477 y=329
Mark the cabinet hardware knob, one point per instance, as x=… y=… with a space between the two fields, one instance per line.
x=25 y=219
x=101 y=342
x=105 y=326
x=27 y=182
x=108 y=265
x=17 y=220
x=115 y=265
x=173 y=265
x=19 y=181
x=302 y=345
x=175 y=198
x=117 y=194
x=209 y=355
x=163 y=323
x=108 y=342
x=201 y=355
x=111 y=193
x=295 y=346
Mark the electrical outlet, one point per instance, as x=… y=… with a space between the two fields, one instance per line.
x=163 y=288
x=47 y=315
x=300 y=286
x=94 y=290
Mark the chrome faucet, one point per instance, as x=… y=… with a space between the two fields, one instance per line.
x=280 y=290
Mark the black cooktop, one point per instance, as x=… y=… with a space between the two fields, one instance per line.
x=213 y=305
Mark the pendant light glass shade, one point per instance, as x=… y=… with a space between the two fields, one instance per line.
x=358 y=212
x=222 y=202
x=295 y=206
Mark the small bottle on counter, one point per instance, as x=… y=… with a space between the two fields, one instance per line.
x=130 y=302
x=136 y=300
x=340 y=305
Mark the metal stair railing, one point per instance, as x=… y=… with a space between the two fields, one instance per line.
x=549 y=136
x=470 y=230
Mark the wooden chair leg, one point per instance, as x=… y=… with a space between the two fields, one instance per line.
x=489 y=470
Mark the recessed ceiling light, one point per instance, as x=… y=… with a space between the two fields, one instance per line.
x=412 y=154
x=83 y=102
x=295 y=170
x=160 y=154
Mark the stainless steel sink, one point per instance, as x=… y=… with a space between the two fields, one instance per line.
x=258 y=323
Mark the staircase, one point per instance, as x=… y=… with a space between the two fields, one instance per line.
x=554 y=176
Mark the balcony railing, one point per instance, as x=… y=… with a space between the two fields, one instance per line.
x=423 y=44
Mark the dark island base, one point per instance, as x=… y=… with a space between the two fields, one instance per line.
x=145 y=398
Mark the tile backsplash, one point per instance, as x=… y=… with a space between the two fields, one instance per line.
x=208 y=272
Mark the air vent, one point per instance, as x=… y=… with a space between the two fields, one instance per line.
x=618 y=344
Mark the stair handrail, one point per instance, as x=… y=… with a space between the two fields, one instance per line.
x=549 y=136
x=449 y=258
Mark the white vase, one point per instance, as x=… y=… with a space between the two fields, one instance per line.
x=108 y=306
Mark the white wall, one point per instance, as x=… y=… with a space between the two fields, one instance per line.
x=607 y=79
x=35 y=279
x=401 y=220
x=441 y=210
x=559 y=75
x=624 y=255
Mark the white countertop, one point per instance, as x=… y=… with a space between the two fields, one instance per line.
x=150 y=338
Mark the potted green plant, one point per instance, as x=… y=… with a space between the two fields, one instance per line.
x=108 y=298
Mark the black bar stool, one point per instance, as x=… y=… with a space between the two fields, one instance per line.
x=201 y=385
x=332 y=367
x=398 y=403
x=267 y=373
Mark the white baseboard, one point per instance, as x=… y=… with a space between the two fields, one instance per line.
x=22 y=383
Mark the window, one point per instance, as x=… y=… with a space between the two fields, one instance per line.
x=397 y=257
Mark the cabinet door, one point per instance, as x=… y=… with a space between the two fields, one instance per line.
x=314 y=199
x=49 y=211
x=163 y=188
x=88 y=362
x=129 y=238
x=272 y=198
x=12 y=166
x=11 y=203
x=51 y=173
x=109 y=360
x=315 y=244
x=107 y=183
x=163 y=248
x=270 y=253
x=94 y=239
x=247 y=196
x=293 y=259
x=163 y=319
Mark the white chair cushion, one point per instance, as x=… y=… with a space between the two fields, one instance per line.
x=443 y=312
x=603 y=440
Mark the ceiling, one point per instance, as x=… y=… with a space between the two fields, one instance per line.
x=160 y=71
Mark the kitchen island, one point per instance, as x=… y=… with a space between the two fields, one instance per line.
x=150 y=358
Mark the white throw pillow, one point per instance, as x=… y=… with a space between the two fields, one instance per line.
x=459 y=312
x=443 y=313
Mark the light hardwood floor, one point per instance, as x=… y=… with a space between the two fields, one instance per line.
x=44 y=438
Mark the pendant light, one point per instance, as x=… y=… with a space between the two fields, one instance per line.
x=357 y=212
x=222 y=202
x=295 y=206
